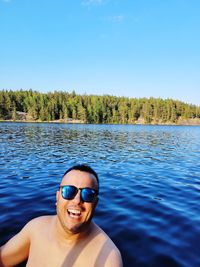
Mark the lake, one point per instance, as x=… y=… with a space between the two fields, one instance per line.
x=149 y=184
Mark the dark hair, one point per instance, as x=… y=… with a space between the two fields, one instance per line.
x=83 y=168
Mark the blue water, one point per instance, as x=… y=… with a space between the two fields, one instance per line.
x=150 y=184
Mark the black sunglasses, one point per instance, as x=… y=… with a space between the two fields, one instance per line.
x=87 y=194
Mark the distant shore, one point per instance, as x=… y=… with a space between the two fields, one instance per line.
x=186 y=122
x=64 y=107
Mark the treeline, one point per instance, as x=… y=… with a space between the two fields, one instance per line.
x=92 y=108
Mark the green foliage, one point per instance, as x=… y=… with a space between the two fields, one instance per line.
x=91 y=108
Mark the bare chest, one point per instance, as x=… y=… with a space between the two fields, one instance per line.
x=45 y=253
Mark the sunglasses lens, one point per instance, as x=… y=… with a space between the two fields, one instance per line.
x=69 y=192
x=88 y=194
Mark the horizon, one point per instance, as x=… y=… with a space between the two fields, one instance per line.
x=102 y=47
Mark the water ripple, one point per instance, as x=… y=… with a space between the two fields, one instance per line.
x=150 y=184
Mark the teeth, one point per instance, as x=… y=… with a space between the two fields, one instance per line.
x=76 y=212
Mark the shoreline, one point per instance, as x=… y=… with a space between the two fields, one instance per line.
x=187 y=122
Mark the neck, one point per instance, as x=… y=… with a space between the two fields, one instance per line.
x=68 y=237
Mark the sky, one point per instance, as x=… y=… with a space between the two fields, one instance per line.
x=131 y=48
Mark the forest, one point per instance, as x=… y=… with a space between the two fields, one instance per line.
x=62 y=106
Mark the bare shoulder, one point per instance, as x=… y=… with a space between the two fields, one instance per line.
x=36 y=225
x=26 y=232
x=104 y=238
x=40 y=221
x=114 y=258
x=17 y=248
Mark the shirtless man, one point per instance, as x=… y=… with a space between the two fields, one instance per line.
x=70 y=238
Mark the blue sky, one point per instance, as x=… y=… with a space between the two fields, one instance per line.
x=134 y=48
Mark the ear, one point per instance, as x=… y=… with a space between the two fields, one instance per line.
x=57 y=196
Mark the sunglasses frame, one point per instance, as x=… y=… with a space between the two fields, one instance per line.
x=81 y=189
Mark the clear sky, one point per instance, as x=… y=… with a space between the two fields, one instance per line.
x=134 y=48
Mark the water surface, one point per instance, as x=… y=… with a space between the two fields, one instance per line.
x=150 y=184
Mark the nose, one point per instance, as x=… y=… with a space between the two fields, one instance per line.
x=77 y=198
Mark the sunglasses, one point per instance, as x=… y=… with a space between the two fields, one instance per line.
x=87 y=194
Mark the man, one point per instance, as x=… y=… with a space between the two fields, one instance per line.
x=69 y=238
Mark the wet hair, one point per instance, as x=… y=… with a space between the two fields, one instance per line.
x=83 y=168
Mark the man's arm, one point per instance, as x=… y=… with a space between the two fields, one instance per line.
x=16 y=250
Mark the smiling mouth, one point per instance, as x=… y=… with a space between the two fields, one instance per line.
x=74 y=213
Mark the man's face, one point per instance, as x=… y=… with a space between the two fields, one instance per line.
x=74 y=215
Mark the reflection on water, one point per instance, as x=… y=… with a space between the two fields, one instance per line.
x=150 y=184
